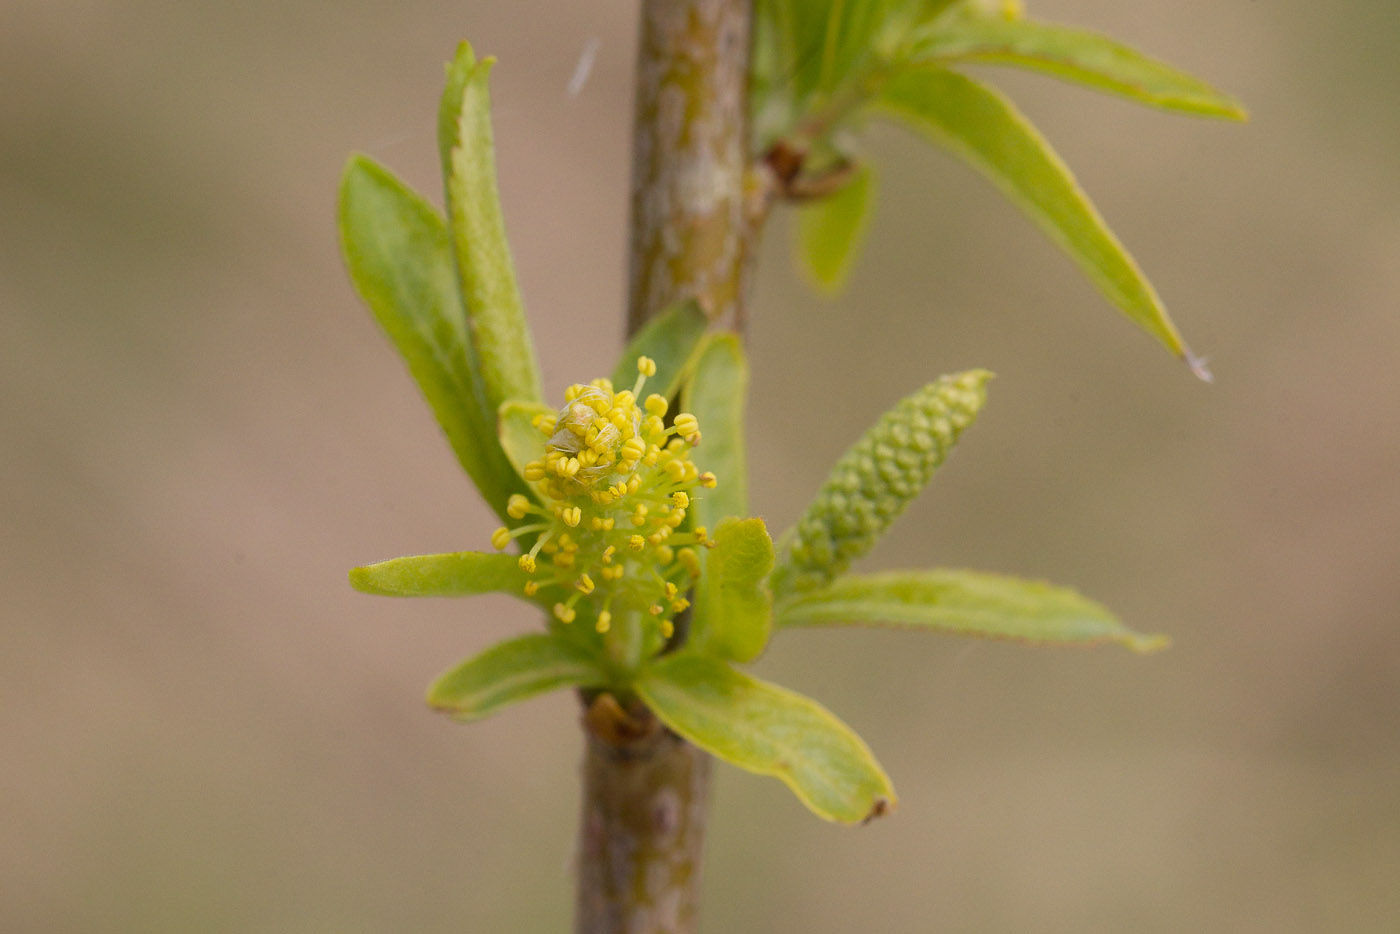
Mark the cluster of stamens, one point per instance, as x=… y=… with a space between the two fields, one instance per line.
x=613 y=487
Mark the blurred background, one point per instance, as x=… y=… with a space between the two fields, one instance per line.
x=204 y=729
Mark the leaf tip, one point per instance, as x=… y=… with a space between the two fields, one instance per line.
x=879 y=808
x=1198 y=366
x=1147 y=645
x=362 y=579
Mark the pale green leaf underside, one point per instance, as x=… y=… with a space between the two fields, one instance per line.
x=510 y=672
x=1079 y=55
x=966 y=603
x=459 y=574
x=716 y=394
x=983 y=128
x=769 y=730
x=484 y=265
x=831 y=231
x=400 y=259
x=672 y=339
x=522 y=441
x=733 y=609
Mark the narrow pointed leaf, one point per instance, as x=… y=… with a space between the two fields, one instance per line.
x=716 y=394
x=522 y=441
x=1079 y=55
x=459 y=574
x=831 y=231
x=733 y=608
x=400 y=259
x=876 y=480
x=771 y=731
x=510 y=672
x=985 y=129
x=484 y=265
x=672 y=339
x=966 y=603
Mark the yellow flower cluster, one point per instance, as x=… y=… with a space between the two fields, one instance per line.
x=614 y=486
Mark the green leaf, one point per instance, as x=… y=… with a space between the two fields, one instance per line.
x=671 y=339
x=522 y=441
x=513 y=671
x=985 y=129
x=484 y=266
x=967 y=603
x=831 y=231
x=715 y=394
x=733 y=608
x=769 y=730
x=399 y=257
x=460 y=574
x=876 y=480
x=1079 y=55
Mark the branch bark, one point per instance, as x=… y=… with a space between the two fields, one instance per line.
x=645 y=790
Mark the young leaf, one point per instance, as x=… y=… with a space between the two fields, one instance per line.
x=715 y=394
x=733 y=608
x=520 y=439
x=874 y=481
x=985 y=129
x=671 y=339
x=831 y=231
x=400 y=260
x=769 y=730
x=1080 y=55
x=460 y=574
x=484 y=266
x=513 y=671
x=967 y=603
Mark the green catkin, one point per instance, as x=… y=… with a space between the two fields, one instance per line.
x=877 y=479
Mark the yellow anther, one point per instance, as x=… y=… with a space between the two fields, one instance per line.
x=653 y=426
x=675 y=470
x=612 y=572
x=608 y=524
x=564 y=559
x=532 y=588
x=564 y=613
x=572 y=516
x=636 y=542
x=671 y=590
x=604 y=621
x=668 y=629
x=527 y=563
x=708 y=480
x=692 y=473
x=656 y=405
x=534 y=471
x=517 y=506
x=680 y=499
x=679 y=604
x=500 y=538
x=675 y=519
x=632 y=449
x=689 y=560
x=608 y=553
x=686 y=424
x=656 y=609
x=633 y=482
x=584 y=584
x=646 y=366
x=602 y=383
x=624 y=400
x=701 y=535
x=572 y=392
x=544 y=423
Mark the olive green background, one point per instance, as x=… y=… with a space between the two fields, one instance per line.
x=203 y=729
